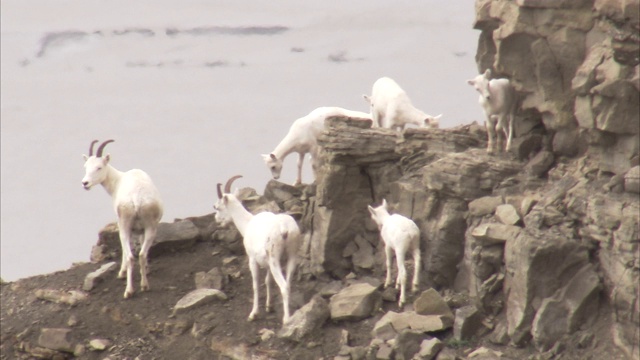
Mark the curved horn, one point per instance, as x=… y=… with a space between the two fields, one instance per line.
x=219 y=187
x=101 y=147
x=91 y=147
x=227 y=186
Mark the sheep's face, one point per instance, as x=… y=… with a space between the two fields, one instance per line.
x=481 y=84
x=223 y=218
x=378 y=213
x=95 y=170
x=274 y=164
x=432 y=122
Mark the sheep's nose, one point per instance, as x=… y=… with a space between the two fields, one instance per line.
x=85 y=184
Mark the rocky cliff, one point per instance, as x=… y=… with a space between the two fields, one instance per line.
x=532 y=254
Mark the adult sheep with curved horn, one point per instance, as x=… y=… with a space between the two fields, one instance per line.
x=267 y=238
x=137 y=204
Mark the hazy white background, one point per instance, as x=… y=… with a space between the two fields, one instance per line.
x=189 y=109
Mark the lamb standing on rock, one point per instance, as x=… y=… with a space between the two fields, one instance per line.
x=267 y=238
x=498 y=100
x=303 y=138
x=400 y=234
x=391 y=108
x=137 y=203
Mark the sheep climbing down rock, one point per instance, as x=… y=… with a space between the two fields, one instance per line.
x=137 y=204
x=267 y=239
x=400 y=235
x=302 y=138
x=498 y=100
x=391 y=108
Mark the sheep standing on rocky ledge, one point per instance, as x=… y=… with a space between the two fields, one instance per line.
x=400 y=234
x=303 y=138
x=391 y=108
x=497 y=98
x=137 y=203
x=267 y=239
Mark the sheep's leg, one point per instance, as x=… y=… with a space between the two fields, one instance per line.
x=123 y=265
x=510 y=131
x=417 y=259
x=143 y=258
x=500 y=132
x=490 y=125
x=300 y=162
x=388 y=253
x=276 y=271
x=402 y=276
x=292 y=263
x=255 y=273
x=267 y=285
x=125 y=242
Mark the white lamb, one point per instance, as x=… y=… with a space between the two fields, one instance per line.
x=302 y=138
x=400 y=234
x=137 y=203
x=498 y=100
x=267 y=238
x=391 y=108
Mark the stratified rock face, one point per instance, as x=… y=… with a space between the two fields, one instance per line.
x=574 y=65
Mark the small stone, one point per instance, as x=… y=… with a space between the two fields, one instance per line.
x=468 y=321
x=93 y=278
x=71 y=298
x=384 y=352
x=55 y=339
x=507 y=214
x=429 y=348
x=431 y=303
x=484 y=353
x=73 y=321
x=266 y=334
x=485 y=205
x=99 y=344
x=355 y=302
x=198 y=297
x=632 y=180
x=229 y=260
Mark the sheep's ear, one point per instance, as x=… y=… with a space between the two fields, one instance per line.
x=437 y=117
x=265 y=156
x=487 y=73
x=384 y=203
x=371 y=210
x=107 y=158
x=85 y=157
x=367 y=98
x=273 y=157
x=471 y=82
x=225 y=199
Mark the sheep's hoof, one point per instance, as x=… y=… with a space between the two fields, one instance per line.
x=269 y=309
x=251 y=317
x=145 y=287
x=414 y=289
x=122 y=275
x=128 y=294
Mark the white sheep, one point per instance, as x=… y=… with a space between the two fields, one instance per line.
x=391 y=108
x=267 y=238
x=399 y=234
x=302 y=138
x=137 y=204
x=497 y=98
